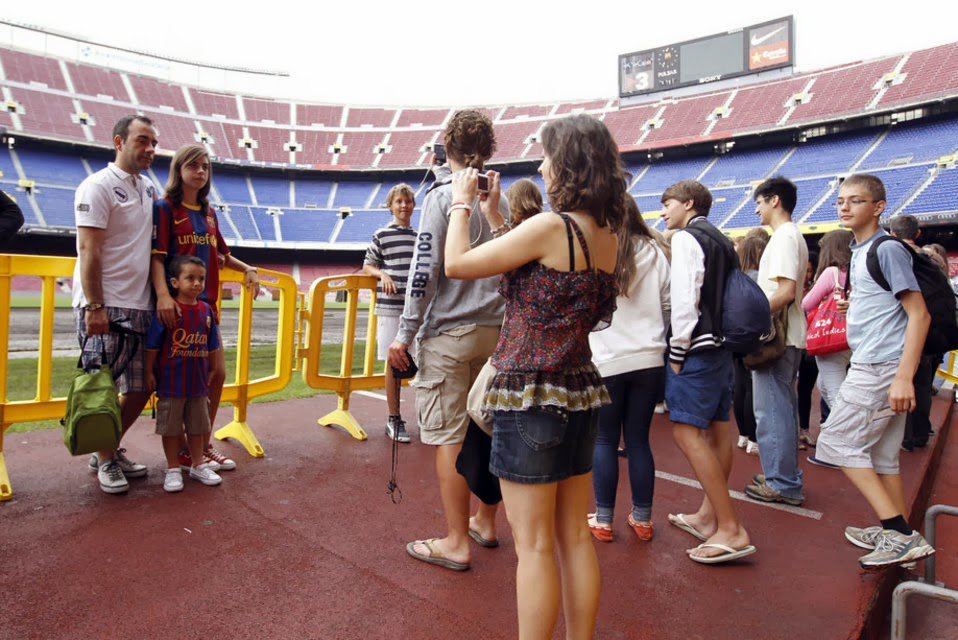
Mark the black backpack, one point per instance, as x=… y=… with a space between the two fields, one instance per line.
x=746 y=316
x=935 y=289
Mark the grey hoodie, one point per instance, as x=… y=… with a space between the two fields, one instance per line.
x=435 y=303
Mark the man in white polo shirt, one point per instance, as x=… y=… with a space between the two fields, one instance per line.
x=111 y=281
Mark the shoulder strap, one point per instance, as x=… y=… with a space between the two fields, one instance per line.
x=582 y=243
x=709 y=230
x=568 y=235
x=874 y=266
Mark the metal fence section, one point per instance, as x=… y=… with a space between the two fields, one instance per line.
x=345 y=381
x=46 y=407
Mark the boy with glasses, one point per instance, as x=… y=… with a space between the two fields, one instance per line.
x=886 y=332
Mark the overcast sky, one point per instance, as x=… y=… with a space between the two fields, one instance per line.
x=471 y=52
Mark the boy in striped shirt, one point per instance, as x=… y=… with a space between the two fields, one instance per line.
x=388 y=258
x=178 y=369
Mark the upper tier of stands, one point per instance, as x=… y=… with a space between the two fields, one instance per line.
x=259 y=207
x=39 y=102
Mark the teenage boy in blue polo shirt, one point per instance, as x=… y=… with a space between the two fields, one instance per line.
x=886 y=332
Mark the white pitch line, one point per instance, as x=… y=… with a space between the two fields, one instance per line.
x=370 y=394
x=738 y=495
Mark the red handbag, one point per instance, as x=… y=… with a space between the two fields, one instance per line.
x=826 y=332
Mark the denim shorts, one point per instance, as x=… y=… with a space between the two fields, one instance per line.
x=543 y=445
x=702 y=392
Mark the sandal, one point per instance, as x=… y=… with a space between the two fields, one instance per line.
x=434 y=556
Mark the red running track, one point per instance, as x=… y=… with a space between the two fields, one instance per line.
x=304 y=543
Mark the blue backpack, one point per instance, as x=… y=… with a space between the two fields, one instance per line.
x=746 y=316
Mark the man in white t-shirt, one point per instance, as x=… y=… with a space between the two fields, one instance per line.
x=111 y=281
x=774 y=394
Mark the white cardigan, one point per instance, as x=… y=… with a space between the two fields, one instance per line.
x=636 y=338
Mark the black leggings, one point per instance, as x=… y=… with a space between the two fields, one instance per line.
x=742 y=400
x=807 y=375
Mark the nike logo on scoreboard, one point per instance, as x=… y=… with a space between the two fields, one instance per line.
x=759 y=40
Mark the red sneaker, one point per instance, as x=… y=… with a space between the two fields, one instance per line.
x=186 y=461
x=221 y=461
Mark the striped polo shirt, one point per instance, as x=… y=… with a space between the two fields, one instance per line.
x=391 y=252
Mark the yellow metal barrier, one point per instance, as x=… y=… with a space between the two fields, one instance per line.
x=43 y=406
x=243 y=390
x=949 y=372
x=46 y=407
x=345 y=382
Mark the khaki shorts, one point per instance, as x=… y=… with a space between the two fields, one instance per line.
x=174 y=416
x=862 y=432
x=448 y=365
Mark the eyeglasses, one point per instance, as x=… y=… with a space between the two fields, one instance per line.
x=851 y=202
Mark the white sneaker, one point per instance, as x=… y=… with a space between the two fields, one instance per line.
x=111 y=477
x=206 y=475
x=661 y=408
x=173 y=481
x=751 y=448
x=742 y=442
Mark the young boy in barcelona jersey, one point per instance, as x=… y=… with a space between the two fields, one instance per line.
x=179 y=365
x=886 y=332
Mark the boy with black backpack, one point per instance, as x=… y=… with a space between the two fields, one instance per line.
x=698 y=380
x=886 y=331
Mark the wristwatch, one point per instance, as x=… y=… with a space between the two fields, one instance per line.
x=93 y=306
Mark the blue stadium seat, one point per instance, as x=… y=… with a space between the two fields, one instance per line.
x=232 y=188
x=307 y=225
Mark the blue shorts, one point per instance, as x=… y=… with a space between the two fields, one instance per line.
x=540 y=446
x=702 y=392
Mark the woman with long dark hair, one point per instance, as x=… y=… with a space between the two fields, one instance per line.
x=559 y=285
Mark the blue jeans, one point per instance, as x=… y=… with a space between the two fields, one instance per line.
x=634 y=395
x=775 y=399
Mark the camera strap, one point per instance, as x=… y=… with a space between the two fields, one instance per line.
x=392 y=487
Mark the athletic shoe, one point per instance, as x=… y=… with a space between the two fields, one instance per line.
x=186 y=461
x=206 y=475
x=222 y=462
x=130 y=469
x=765 y=493
x=893 y=548
x=821 y=463
x=742 y=442
x=751 y=448
x=865 y=538
x=806 y=437
x=601 y=531
x=661 y=407
x=173 y=481
x=396 y=430
x=645 y=531
x=111 y=477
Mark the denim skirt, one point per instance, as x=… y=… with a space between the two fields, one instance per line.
x=543 y=444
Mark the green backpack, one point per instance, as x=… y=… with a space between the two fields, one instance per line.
x=92 y=421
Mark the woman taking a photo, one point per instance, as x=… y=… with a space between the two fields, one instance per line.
x=559 y=284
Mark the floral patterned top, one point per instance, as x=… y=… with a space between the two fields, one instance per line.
x=543 y=357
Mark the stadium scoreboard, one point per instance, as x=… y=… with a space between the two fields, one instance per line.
x=760 y=47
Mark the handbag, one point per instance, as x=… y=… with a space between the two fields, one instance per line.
x=477 y=395
x=827 y=327
x=93 y=420
x=773 y=345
